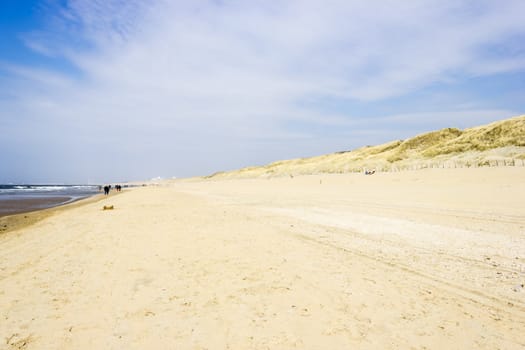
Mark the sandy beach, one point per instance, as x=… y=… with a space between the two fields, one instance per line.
x=428 y=259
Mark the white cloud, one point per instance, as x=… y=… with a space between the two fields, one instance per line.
x=363 y=50
x=182 y=78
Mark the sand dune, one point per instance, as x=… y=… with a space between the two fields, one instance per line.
x=496 y=144
x=429 y=259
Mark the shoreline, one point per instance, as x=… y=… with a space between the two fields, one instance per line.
x=18 y=220
x=22 y=198
x=26 y=204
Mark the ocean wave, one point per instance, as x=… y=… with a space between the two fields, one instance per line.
x=48 y=189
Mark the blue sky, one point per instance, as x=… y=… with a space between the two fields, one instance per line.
x=113 y=90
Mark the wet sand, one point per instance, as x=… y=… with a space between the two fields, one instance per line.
x=24 y=205
x=429 y=259
x=20 y=217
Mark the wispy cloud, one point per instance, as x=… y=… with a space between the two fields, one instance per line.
x=178 y=80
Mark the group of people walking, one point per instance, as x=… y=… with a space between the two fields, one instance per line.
x=107 y=188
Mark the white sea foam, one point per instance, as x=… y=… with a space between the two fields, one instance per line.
x=65 y=190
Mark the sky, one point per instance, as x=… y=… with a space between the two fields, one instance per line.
x=94 y=91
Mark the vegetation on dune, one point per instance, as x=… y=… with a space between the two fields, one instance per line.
x=483 y=145
x=506 y=133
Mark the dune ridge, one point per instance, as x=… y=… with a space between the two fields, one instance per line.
x=495 y=144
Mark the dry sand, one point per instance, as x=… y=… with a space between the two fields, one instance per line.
x=430 y=259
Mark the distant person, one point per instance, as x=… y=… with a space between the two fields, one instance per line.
x=106 y=190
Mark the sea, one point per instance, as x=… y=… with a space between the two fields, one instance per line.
x=26 y=197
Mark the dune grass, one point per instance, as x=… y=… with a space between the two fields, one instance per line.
x=501 y=142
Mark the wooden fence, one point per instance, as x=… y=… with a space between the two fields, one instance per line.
x=449 y=164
